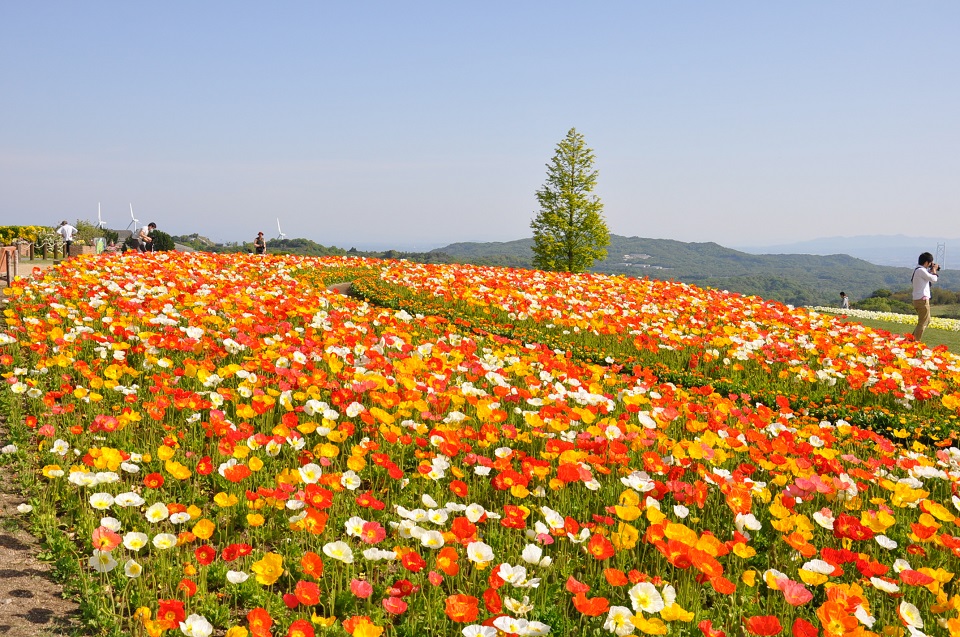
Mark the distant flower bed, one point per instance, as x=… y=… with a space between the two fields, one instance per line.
x=952 y=325
x=9 y=234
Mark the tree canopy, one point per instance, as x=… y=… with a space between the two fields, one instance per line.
x=569 y=231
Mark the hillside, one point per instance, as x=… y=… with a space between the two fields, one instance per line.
x=893 y=250
x=799 y=279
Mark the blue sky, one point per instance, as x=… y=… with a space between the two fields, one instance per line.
x=417 y=124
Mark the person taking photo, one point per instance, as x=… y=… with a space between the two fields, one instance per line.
x=924 y=274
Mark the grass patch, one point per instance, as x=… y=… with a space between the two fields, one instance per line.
x=931 y=336
x=949 y=311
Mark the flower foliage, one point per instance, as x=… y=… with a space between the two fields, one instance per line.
x=476 y=451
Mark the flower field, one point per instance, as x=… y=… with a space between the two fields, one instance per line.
x=217 y=444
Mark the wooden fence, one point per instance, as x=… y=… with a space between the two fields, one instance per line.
x=9 y=263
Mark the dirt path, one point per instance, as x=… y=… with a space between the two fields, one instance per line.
x=31 y=603
x=26 y=269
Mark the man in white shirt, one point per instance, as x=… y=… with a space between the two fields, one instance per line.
x=923 y=275
x=66 y=232
x=144 y=240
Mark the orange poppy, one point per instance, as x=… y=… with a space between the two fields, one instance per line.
x=592 y=607
x=615 y=577
x=312 y=565
x=447 y=560
x=461 y=608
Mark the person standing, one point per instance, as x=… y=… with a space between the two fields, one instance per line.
x=66 y=232
x=144 y=240
x=260 y=244
x=924 y=274
x=844 y=301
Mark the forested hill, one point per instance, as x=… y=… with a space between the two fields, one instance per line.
x=799 y=279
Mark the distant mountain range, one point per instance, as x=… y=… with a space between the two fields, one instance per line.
x=895 y=250
x=798 y=279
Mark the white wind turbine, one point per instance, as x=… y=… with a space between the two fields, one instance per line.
x=282 y=236
x=134 y=221
x=100 y=223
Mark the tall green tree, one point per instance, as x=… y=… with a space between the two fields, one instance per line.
x=569 y=232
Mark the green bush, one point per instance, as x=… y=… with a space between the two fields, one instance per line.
x=884 y=304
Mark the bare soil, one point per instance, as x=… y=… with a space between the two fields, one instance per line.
x=31 y=603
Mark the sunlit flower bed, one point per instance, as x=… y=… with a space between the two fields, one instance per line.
x=936 y=322
x=231 y=448
x=762 y=343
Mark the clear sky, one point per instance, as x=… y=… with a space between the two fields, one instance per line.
x=417 y=124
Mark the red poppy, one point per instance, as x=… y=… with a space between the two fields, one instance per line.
x=764 y=625
x=235 y=551
x=394 y=605
x=307 y=593
x=600 y=547
x=464 y=530
x=459 y=488
x=413 y=562
x=237 y=473
x=170 y=613
x=923 y=532
x=494 y=578
x=848 y=527
x=153 y=480
x=301 y=628
x=367 y=501
x=676 y=552
x=916 y=549
x=402 y=588
x=576 y=586
x=915 y=578
x=205 y=554
x=492 y=601
x=514 y=517
x=706 y=627
x=803 y=628
x=461 y=608
x=568 y=473
x=205 y=466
